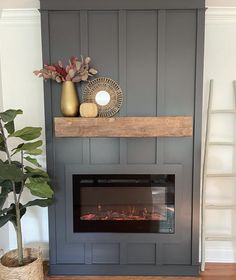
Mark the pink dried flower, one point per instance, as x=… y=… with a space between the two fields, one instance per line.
x=76 y=71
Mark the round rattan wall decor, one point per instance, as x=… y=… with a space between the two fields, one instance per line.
x=106 y=94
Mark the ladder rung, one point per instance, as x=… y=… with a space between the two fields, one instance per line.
x=226 y=111
x=220 y=238
x=221 y=143
x=220 y=206
x=221 y=175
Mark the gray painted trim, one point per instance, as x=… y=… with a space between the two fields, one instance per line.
x=84 y=49
x=121 y=4
x=49 y=132
x=167 y=270
x=123 y=57
x=197 y=135
x=75 y=238
x=123 y=253
x=122 y=77
x=161 y=71
x=88 y=253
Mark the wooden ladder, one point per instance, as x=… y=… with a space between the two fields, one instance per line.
x=205 y=175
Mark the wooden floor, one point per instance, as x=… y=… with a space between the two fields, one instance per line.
x=213 y=272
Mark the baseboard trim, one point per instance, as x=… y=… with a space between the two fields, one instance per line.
x=122 y=270
x=220 y=256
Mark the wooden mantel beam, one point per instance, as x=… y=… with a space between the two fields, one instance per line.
x=166 y=126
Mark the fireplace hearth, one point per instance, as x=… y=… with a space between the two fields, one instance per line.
x=124 y=203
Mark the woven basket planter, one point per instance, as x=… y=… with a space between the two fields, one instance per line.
x=31 y=271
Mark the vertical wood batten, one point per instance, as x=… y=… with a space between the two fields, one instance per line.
x=84 y=46
x=123 y=77
x=161 y=68
x=200 y=27
x=159 y=253
x=88 y=253
x=45 y=26
x=123 y=252
x=123 y=112
x=103 y=48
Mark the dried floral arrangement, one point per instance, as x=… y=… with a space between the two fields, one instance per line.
x=76 y=71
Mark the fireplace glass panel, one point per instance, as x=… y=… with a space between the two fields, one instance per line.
x=124 y=203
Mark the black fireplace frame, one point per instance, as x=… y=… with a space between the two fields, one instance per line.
x=72 y=169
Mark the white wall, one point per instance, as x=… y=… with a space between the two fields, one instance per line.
x=19 y=4
x=20 y=54
x=4 y=232
x=220 y=65
x=221 y=3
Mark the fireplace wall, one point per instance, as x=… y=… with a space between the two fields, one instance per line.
x=154 y=49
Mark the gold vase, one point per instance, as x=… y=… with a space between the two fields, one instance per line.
x=69 y=100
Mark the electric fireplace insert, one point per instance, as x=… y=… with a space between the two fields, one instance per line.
x=124 y=203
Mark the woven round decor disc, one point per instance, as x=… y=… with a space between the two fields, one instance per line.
x=112 y=88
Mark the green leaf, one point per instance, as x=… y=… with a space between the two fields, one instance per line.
x=3 y=197
x=35 y=152
x=39 y=187
x=5 y=210
x=27 y=146
x=36 y=172
x=39 y=202
x=5 y=218
x=17 y=163
x=11 y=172
x=2 y=146
x=18 y=187
x=17 y=149
x=12 y=212
x=10 y=127
x=7 y=185
x=31 y=146
x=28 y=133
x=33 y=161
x=10 y=115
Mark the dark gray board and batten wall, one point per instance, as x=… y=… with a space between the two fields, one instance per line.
x=154 y=49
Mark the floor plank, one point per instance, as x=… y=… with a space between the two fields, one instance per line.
x=213 y=272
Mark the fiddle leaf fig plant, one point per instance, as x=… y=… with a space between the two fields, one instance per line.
x=21 y=174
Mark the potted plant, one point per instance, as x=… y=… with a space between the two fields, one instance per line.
x=20 y=171
x=75 y=72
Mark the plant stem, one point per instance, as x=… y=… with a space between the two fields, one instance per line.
x=19 y=236
x=17 y=204
x=22 y=182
